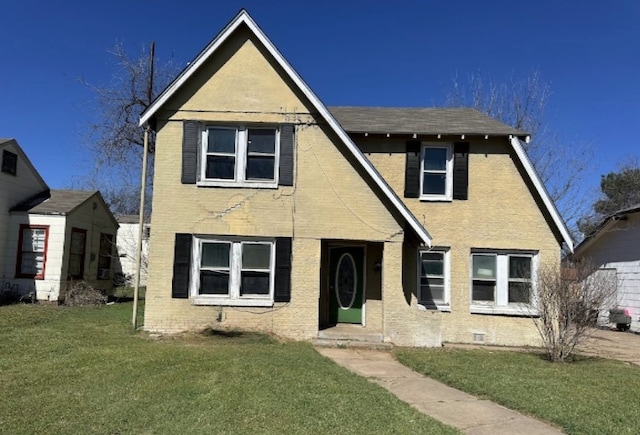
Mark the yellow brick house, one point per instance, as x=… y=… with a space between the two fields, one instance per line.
x=273 y=212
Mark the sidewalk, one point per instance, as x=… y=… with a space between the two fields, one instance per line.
x=448 y=405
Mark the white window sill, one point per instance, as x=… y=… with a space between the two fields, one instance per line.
x=206 y=300
x=243 y=184
x=523 y=311
x=436 y=198
x=437 y=307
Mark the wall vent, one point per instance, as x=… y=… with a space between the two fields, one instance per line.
x=478 y=337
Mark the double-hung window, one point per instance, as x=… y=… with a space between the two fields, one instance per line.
x=502 y=282
x=433 y=290
x=233 y=272
x=436 y=174
x=32 y=251
x=240 y=156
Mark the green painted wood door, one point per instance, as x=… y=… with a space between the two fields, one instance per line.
x=346 y=284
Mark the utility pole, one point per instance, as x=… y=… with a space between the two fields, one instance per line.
x=143 y=187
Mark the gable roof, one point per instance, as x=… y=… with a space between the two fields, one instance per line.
x=5 y=142
x=607 y=223
x=243 y=18
x=420 y=120
x=550 y=206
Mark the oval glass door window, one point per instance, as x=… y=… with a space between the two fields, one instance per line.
x=346 y=281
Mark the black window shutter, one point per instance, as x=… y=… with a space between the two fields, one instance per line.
x=181 y=267
x=460 y=170
x=286 y=155
x=283 y=270
x=412 y=170
x=190 y=139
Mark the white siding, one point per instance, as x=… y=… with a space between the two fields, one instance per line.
x=619 y=248
x=47 y=289
x=13 y=190
x=127 y=247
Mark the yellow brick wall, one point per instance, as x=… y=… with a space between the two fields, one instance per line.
x=330 y=199
x=500 y=213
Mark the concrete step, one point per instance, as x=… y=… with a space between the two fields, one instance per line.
x=349 y=344
x=351 y=336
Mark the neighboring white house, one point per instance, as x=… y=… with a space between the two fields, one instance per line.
x=19 y=181
x=615 y=246
x=51 y=243
x=127 y=249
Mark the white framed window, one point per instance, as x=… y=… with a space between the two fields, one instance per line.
x=233 y=272
x=434 y=279
x=436 y=172
x=240 y=156
x=32 y=251
x=503 y=282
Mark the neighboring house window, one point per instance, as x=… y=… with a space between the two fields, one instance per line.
x=76 y=253
x=232 y=272
x=433 y=290
x=244 y=156
x=436 y=176
x=9 y=162
x=104 y=256
x=32 y=251
x=502 y=281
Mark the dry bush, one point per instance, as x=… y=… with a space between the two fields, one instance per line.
x=81 y=294
x=568 y=301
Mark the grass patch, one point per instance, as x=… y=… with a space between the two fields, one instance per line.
x=82 y=370
x=587 y=396
x=126 y=293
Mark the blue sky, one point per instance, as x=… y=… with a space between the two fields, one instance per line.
x=380 y=53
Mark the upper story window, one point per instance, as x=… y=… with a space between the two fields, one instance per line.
x=436 y=171
x=240 y=156
x=434 y=276
x=502 y=282
x=237 y=156
x=9 y=162
x=436 y=175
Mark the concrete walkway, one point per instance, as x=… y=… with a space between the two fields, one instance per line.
x=448 y=405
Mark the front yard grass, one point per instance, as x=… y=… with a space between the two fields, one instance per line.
x=588 y=396
x=82 y=370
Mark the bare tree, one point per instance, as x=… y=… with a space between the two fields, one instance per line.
x=115 y=140
x=569 y=299
x=521 y=103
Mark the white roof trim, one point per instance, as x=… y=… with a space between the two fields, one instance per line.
x=244 y=18
x=542 y=191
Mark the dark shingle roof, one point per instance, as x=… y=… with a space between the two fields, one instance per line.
x=60 y=202
x=410 y=120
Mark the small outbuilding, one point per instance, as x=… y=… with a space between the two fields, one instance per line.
x=69 y=237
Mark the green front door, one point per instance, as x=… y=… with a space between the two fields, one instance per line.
x=346 y=284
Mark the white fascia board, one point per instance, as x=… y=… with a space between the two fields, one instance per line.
x=542 y=191
x=243 y=17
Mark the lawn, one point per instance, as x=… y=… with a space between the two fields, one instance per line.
x=82 y=370
x=588 y=396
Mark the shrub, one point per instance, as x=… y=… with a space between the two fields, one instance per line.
x=81 y=294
